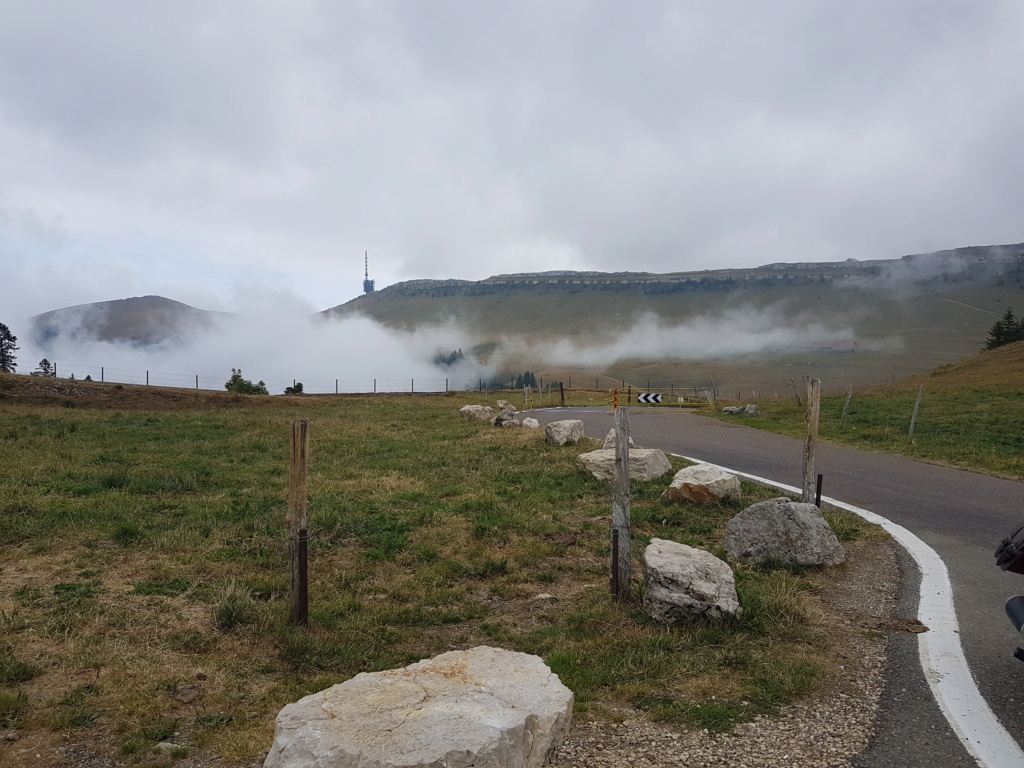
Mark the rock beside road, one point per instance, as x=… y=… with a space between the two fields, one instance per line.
x=684 y=583
x=476 y=412
x=481 y=707
x=784 y=531
x=644 y=463
x=703 y=484
x=565 y=432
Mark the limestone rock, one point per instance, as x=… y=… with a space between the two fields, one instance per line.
x=686 y=583
x=703 y=484
x=476 y=412
x=564 y=432
x=750 y=409
x=785 y=531
x=610 y=440
x=485 y=707
x=505 y=405
x=644 y=463
x=505 y=419
x=531 y=423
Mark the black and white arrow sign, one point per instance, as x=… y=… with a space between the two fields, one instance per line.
x=649 y=397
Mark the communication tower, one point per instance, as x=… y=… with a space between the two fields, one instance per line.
x=367 y=282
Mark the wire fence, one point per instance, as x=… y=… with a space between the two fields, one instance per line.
x=338 y=386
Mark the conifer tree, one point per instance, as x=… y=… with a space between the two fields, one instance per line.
x=1006 y=330
x=8 y=342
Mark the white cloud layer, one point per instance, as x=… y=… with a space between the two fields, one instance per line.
x=278 y=340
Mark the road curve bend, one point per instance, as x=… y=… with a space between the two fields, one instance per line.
x=957 y=518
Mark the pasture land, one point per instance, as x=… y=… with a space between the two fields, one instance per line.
x=143 y=570
x=971 y=415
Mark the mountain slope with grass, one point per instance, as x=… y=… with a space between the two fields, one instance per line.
x=971 y=415
x=859 y=323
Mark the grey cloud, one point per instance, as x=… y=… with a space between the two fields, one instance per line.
x=456 y=139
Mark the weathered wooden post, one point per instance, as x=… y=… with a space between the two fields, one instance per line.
x=298 y=535
x=813 y=408
x=846 y=406
x=913 y=418
x=561 y=393
x=622 y=554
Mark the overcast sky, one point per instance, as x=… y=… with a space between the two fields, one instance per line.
x=205 y=150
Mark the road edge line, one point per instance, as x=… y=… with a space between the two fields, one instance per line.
x=939 y=649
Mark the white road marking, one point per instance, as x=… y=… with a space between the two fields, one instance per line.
x=942 y=656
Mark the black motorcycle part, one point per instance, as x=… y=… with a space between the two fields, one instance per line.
x=1010 y=554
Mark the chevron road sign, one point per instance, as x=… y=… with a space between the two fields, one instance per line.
x=649 y=397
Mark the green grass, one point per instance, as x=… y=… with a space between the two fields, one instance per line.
x=975 y=428
x=145 y=554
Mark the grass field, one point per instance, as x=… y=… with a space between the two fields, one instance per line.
x=143 y=576
x=971 y=415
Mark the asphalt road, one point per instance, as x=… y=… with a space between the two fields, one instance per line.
x=962 y=515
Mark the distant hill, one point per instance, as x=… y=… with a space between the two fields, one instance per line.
x=892 y=317
x=853 y=322
x=141 y=321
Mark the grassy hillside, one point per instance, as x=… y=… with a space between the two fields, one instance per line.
x=141 y=320
x=906 y=317
x=144 y=555
x=971 y=415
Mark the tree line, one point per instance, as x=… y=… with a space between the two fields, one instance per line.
x=1006 y=330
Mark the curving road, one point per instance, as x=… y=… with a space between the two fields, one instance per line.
x=962 y=515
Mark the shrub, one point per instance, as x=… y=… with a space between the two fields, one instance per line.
x=243 y=386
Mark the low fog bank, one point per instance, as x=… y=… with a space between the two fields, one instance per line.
x=743 y=331
x=281 y=339
x=276 y=344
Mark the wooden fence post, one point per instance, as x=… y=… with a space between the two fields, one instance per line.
x=296 y=522
x=561 y=393
x=622 y=554
x=795 y=393
x=813 y=409
x=913 y=419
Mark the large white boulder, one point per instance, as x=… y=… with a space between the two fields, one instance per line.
x=531 y=422
x=564 y=432
x=685 y=583
x=704 y=484
x=476 y=412
x=644 y=463
x=611 y=440
x=485 y=707
x=784 y=531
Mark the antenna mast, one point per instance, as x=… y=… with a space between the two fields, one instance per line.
x=367 y=282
